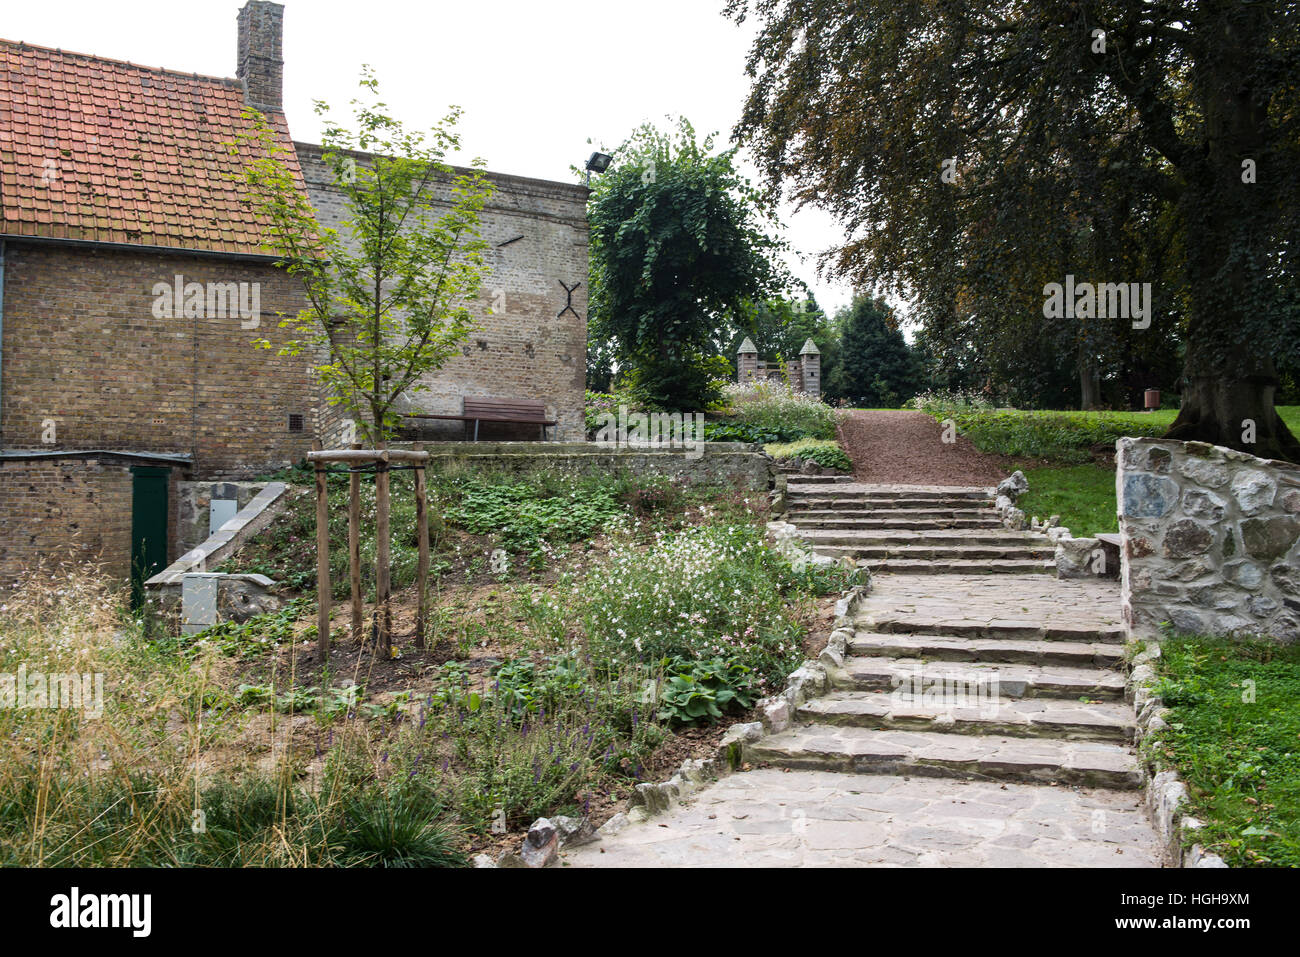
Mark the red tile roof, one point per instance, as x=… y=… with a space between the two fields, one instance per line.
x=102 y=150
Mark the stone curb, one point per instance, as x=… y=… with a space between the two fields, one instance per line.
x=1166 y=794
x=812 y=678
x=809 y=680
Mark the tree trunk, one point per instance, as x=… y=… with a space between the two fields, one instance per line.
x=383 y=571
x=1235 y=411
x=354 y=549
x=422 y=570
x=1089 y=385
x=322 y=561
x=1230 y=227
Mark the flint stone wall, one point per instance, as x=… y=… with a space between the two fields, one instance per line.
x=1211 y=539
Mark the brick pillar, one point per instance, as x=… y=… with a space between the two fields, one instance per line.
x=260 y=60
x=810 y=361
x=746 y=361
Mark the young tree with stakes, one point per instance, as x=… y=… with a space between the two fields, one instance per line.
x=388 y=293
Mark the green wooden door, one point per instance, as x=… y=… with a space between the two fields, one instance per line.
x=148 y=526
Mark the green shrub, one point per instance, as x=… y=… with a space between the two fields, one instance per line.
x=704 y=690
x=1066 y=437
x=705 y=592
x=770 y=412
x=825 y=453
x=395 y=824
x=523 y=516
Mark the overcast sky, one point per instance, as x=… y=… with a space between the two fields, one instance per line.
x=536 y=78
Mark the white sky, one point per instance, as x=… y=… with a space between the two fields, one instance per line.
x=536 y=78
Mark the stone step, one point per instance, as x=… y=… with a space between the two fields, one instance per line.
x=1004 y=628
x=888 y=673
x=937 y=538
x=1076 y=654
x=838 y=492
x=873 y=493
x=934 y=754
x=849 y=507
x=921 y=513
x=912 y=524
x=833 y=520
x=943 y=566
x=1015 y=717
x=796 y=479
x=946 y=553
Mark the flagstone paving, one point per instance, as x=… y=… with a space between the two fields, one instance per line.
x=771 y=818
x=975 y=720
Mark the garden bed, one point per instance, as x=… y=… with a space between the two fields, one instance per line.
x=627 y=625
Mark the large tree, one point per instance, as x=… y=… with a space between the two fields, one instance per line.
x=680 y=246
x=978 y=151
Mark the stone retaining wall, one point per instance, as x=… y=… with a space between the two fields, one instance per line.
x=735 y=463
x=1211 y=539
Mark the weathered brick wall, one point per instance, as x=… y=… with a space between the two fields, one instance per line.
x=83 y=347
x=526 y=350
x=64 y=510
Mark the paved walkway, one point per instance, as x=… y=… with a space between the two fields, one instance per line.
x=771 y=818
x=978 y=720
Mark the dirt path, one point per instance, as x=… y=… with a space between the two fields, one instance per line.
x=908 y=448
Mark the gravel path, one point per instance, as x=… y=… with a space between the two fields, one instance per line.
x=908 y=448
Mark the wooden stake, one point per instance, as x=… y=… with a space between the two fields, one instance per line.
x=322 y=563
x=354 y=550
x=422 y=571
x=383 y=605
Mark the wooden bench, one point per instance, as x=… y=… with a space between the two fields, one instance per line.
x=512 y=411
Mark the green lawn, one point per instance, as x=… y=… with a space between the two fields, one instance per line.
x=1083 y=495
x=1055 y=453
x=1290 y=415
x=1234 y=736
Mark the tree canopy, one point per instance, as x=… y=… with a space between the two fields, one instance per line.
x=679 y=248
x=977 y=152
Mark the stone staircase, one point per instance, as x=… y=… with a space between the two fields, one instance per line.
x=912 y=529
x=993 y=701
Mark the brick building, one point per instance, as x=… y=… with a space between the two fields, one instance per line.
x=532 y=336
x=133 y=280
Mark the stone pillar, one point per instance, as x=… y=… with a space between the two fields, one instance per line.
x=746 y=361
x=810 y=362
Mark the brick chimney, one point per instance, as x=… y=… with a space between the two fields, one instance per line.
x=261 y=54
